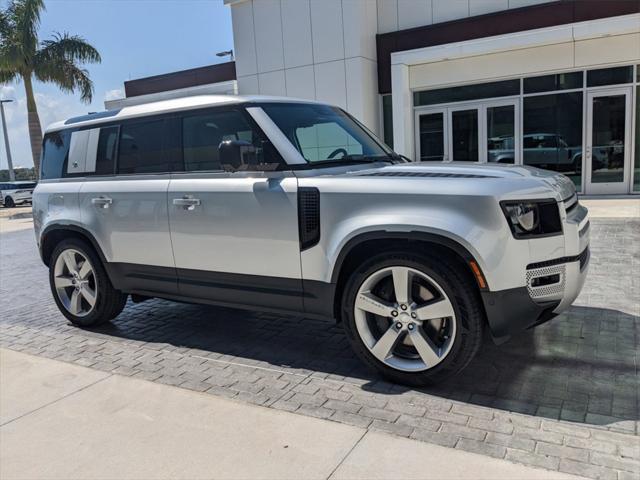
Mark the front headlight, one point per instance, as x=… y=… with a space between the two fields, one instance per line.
x=532 y=218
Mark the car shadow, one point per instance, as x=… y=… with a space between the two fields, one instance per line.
x=579 y=367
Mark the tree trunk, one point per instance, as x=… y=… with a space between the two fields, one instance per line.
x=35 y=129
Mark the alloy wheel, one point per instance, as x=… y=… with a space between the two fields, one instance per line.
x=405 y=318
x=75 y=282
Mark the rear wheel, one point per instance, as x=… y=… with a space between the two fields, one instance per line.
x=414 y=318
x=80 y=286
x=9 y=203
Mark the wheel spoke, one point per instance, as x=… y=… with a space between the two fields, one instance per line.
x=370 y=303
x=438 y=309
x=426 y=349
x=63 y=282
x=70 y=261
x=383 y=347
x=85 y=270
x=402 y=284
x=89 y=295
x=75 y=304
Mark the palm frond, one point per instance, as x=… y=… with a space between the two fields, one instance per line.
x=25 y=15
x=69 y=47
x=67 y=76
x=7 y=76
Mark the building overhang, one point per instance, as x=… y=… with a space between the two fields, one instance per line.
x=479 y=33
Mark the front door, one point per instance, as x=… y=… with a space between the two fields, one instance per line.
x=608 y=152
x=234 y=228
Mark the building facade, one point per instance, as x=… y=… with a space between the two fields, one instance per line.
x=552 y=84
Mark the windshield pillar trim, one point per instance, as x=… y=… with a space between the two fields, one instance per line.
x=279 y=140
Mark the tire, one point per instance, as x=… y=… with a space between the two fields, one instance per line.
x=107 y=301
x=440 y=288
x=9 y=203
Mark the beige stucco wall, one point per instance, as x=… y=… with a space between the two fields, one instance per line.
x=537 y=60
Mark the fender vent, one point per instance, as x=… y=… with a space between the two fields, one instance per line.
x=424 y=175
x=308 y=216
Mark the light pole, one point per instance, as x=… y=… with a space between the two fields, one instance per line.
x=12 y=176
x=226 y=53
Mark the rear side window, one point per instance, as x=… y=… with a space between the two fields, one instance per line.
x=54 y=154
x=141 y=148
x=107 y=149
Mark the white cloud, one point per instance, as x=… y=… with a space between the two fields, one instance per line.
x=51 y=108
x=114 y=94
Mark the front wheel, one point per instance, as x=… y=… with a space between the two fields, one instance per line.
x=80 y=285
x=414 y=318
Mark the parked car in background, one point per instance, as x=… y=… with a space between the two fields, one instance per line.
x=294 y=206
x=16 y=193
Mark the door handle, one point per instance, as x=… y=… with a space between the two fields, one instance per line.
x=188 y=203
x=104 y=202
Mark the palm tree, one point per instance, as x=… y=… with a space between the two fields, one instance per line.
x=24 y=57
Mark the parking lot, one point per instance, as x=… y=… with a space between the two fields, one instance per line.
x=564 y=396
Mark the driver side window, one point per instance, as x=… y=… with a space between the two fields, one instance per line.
x=204 y=133
x=326 y=140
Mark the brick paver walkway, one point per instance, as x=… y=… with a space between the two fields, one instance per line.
x=564 y=396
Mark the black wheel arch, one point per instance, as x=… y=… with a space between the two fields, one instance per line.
x=54 y=234
x=361 y=246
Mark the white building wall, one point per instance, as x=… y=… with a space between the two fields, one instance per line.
x=316 y=49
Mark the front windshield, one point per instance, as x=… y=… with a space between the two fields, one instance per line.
x=325 y=134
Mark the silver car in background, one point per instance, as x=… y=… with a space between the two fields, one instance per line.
x=293 y=206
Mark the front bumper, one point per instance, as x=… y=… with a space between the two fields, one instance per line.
x=551 y=285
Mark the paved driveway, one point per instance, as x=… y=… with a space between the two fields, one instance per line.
x=564 y=396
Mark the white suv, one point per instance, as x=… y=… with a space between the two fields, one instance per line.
x=16 y=193
x=291 y=206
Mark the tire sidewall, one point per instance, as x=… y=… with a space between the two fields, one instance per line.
x=97 y=314
x=466 y=328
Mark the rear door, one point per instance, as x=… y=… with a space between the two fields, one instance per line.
x=124 y=202
x=234 y=227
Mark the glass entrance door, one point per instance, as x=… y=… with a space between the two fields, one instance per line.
x=464 y=125
x=608 y=152
x=431 y=136
x=485 y=131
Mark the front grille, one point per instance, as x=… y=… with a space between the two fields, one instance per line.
x=570 y=203
x=584 y=229
x=558 y=261
x=584 y=258
x=556 y=288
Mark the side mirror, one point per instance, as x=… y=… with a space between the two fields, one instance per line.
x=236 y=153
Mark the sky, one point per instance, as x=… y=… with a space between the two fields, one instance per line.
x=136 y=38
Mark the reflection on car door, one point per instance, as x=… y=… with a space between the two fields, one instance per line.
x=234 y=233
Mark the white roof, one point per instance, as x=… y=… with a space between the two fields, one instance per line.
x=164 y=106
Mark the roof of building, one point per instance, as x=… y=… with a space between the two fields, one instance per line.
x=165 y=106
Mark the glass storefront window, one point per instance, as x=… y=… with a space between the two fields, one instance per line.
x=608 y=138
x=505 y=88
x=432 y=137
x=501 y=134
x=549 y=83
x=552 y=136
x=609 y=76
x=464 y=135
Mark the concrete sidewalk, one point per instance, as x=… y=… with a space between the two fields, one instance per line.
x=64 y=421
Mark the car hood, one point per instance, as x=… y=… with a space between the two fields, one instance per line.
x=473 y=171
